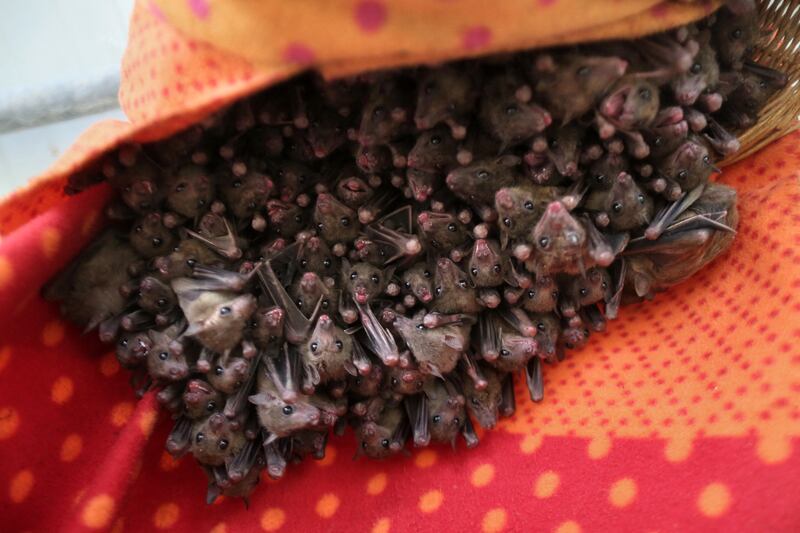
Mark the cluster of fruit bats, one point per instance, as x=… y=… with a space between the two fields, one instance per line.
x=387 y=251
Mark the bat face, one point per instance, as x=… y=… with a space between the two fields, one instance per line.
x=487 y=267
x=542 y=296
x=386 y=112
x=444 y=93
x=452 y=291
x=434 y=151
x=228 y=376
x=505 y=117
x=418 y=282
x=632 y=103
x=215 y=439
x=703 y=74
x=577 y=82
x=190 y=191
x=334 y=221
x=442 y=231
x=201 y=399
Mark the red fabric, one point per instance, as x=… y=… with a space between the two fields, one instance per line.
x=683 y=417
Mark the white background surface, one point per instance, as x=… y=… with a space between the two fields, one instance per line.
x=45 y=44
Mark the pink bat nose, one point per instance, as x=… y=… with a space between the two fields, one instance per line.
x=555 y=208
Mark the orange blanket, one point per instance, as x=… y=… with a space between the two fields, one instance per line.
x=683 y=417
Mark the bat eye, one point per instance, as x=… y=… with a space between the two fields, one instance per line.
x=435 y=243
x=394 y=382
x=512 y=109
x=339 y=344
x=420 y=326
x=451 y=227
x=344 y=221
x=706 y=159
x=378 y=111
x=645 y=94
x=540 y=326
x=640 y=198
x=555 y=295
x=658 y=142
x=123 y=342
x=161 y=302
x=299 y=303
x=303 y=263
x=507 y=222
x=219 y=370
x=180 y=187
x=497 y=269
x=138 y=229
x=584 y=291
x=298 y=218
x=683 y=174
x=474 y=271
x=237 y=184
x=531 y=294
x=585 y=332
x=438 y=291
x=554 y=143
x=385 y=443
x=426 y=273
x=584 y=71
x=600 y=178
x=225 y=310
x=325 y=303
x=462 y=283
x=696 y=68
x=163 y=356
x=482 y=174
x=436 y=139
x=436 y=419
x=456 y=421
x=504 y=352
x=528 y=205
x=199 y=438
x=616 y=207
x=320 y=226
x=418 y=384
x=223 y=444
x=544 y=242
x=604 y=285
x=191 y=262
x=736 y=34
x=326 y=263
x=474 y=401
x=211 y=405
x=375 y=279
x=288 y=409
x=407 y=285
x=314 y=347
x=157 y=241
x=358 y=380
x=353 y=275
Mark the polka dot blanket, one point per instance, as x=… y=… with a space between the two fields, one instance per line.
x=684 y=416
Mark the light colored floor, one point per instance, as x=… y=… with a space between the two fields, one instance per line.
x=46 y=44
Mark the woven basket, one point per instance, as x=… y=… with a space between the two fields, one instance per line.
x=778 y=47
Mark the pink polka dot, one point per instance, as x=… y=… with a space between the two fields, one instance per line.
x=156 y=11
x=199 y=7
x=659 y=10
x=298 y=54
x=546 y=3
x=370 y=15
x=476 y=37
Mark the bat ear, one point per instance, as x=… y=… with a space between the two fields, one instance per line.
x=453 y=342
x=345 y=264
x=259 y=399
x=388 y=272
x=508 y=160
x=194 y=328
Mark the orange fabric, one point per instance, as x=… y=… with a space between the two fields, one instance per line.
x=172 y=77
x=683 y=417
